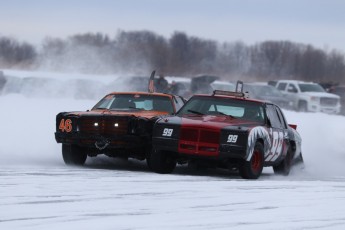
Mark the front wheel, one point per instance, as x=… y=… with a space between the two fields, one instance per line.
x=161 y=162
x=73 y=155
x=252 y=169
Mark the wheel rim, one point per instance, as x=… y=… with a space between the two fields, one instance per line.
x=256 y=161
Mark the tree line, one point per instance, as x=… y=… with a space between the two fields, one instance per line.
x=139 y=52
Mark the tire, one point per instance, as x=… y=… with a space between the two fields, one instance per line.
x=252 y=169
x=73 y=155
x=161 y=162
x=302 y=106
x=284 y=167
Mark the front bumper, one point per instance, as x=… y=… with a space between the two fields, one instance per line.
x=103 y=141
x=194 y=150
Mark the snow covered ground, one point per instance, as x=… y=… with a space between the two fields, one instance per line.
x=37 y=191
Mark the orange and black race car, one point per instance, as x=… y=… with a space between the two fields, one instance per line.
x=226 y=130
x=119 y=125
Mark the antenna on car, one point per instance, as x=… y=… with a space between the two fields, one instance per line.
x=151 y=86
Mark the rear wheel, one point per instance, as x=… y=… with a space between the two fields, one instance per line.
x=252 y=169
x=73 y=155
x=161 y=162
x=284 y=167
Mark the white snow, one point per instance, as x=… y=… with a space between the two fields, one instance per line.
x=37 y=191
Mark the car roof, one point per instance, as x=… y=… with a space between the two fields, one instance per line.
x=143 y=93
x=295 y=81
x=233 y=97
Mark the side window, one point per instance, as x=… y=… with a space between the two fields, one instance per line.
x=273 y=116
x=281 y=118
x=282 y=86
x=178 y=103
x=292 y=88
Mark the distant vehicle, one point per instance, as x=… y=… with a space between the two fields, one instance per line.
x=226 y=130
x=309 y=96
x=267 y=93
x=119 y=125
x=272 y=83
x=202 y=84
x=340 y=91
x=199 y=84
x=223 y=85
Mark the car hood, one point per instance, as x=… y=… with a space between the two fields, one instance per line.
x=136 y=113
x=208 y=121
x=322 y=94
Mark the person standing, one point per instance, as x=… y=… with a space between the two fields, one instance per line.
x=162 y=84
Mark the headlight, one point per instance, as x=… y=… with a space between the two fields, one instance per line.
x=315 y=99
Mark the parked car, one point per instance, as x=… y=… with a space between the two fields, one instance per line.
x=223 y=85
x=340 y=91
x=269 y=93
x=309 y=96
x=119 y=125
x=226 y=130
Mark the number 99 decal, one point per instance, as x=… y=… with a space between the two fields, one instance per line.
x=232 y=138
x=167 y=132
x=65 y=125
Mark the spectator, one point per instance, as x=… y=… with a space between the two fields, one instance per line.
x=161 y=84
x=174 y=88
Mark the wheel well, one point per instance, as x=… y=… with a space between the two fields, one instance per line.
x=293 y=146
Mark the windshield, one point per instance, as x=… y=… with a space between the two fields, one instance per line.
x=311 y=88
x=241 y=109
x=136 y=102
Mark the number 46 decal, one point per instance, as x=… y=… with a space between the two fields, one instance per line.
x=65 y=125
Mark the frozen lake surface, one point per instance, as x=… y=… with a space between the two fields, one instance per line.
x=37 y=191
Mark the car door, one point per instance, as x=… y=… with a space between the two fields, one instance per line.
x=278 y=133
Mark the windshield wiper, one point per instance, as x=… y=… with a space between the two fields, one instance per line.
x=228 y=115
x=195 y=112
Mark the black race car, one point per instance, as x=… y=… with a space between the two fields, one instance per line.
x=226 y=130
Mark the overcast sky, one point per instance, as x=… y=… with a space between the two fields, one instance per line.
x=317 y=22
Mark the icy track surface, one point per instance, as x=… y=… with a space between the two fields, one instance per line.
x=37 y=191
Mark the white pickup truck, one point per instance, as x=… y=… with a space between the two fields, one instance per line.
x=309 y=96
